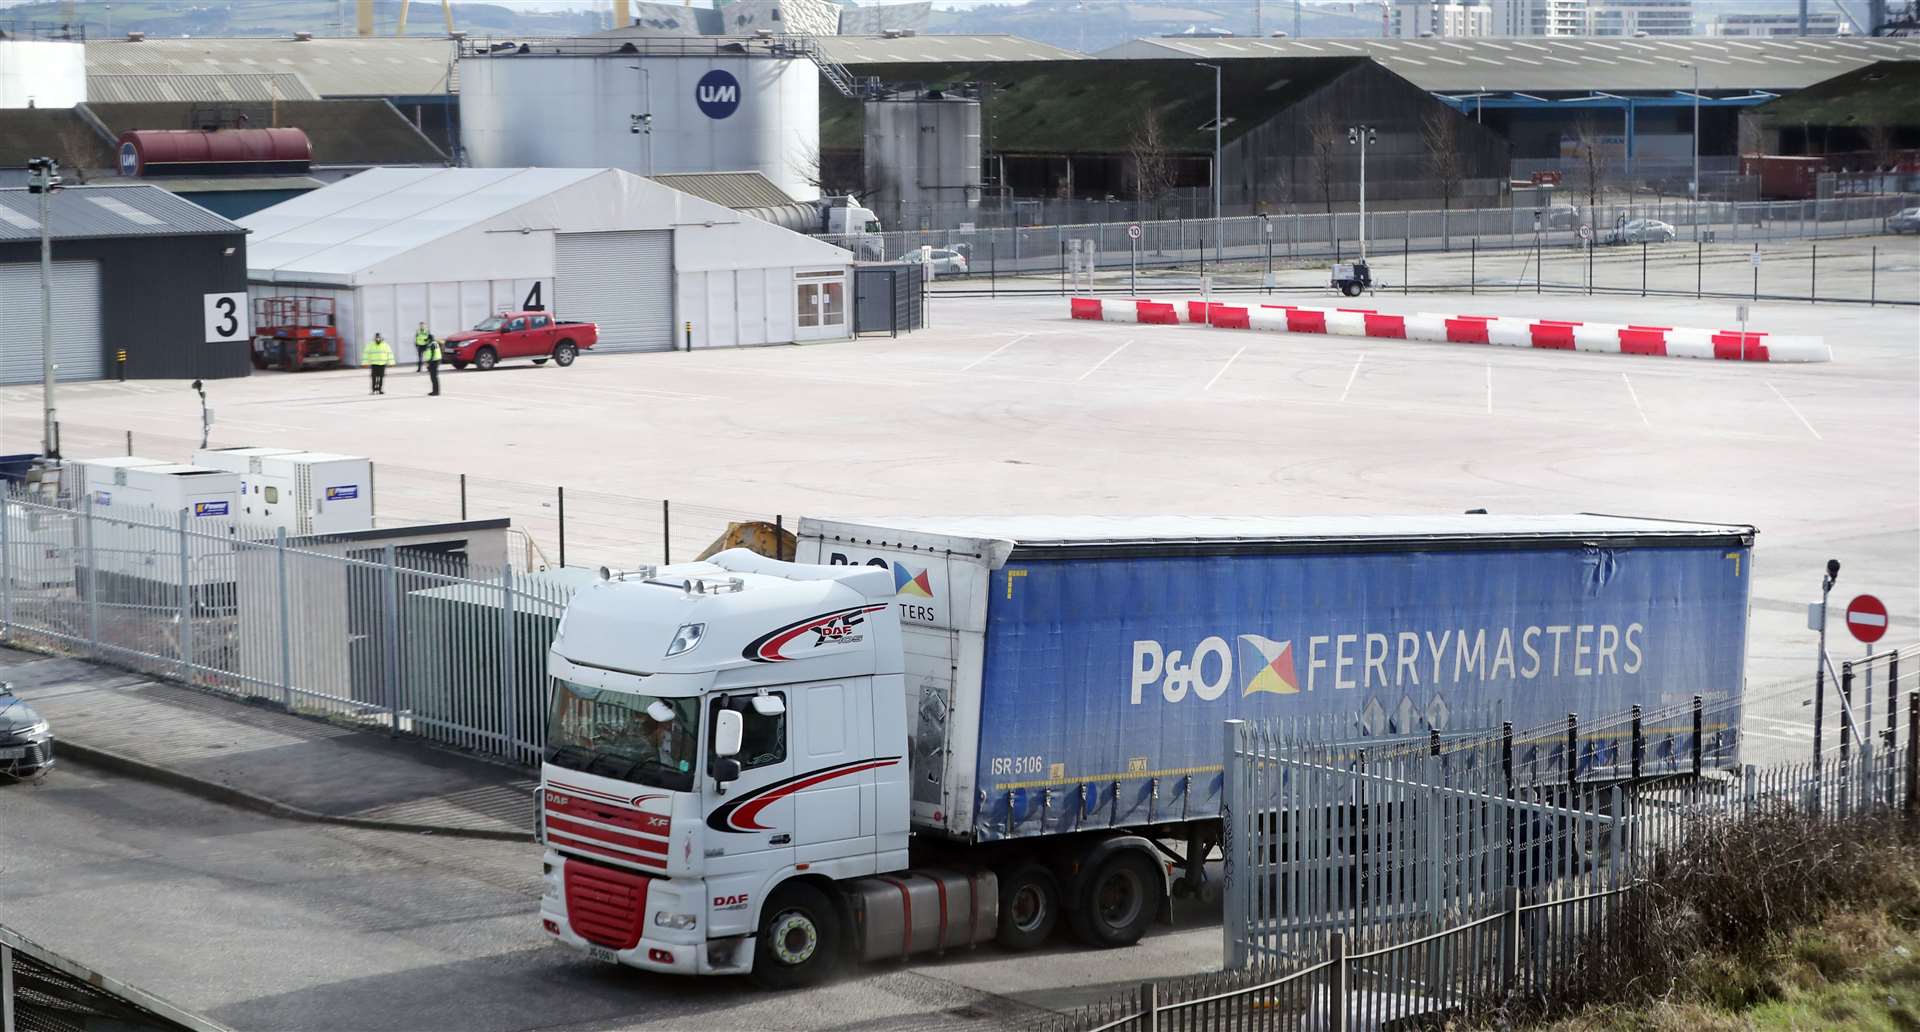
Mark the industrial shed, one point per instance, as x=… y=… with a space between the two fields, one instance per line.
x=396 y=247
x=134 y=268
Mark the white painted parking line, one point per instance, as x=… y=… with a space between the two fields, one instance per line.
x=1097 y=365
x=1224 y=368
x=1778 y=738
x=1489 y=388
x=995 y=351
x=1795 y=411
x=1362 y=357
x=1635 y=395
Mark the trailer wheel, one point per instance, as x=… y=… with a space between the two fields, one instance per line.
x=1350 y=288
x=565 y=352
x=486 y=358
x=1117 y=901
x=799 y=940
x=1029 y=907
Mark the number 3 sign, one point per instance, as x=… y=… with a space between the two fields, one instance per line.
x=226 y=317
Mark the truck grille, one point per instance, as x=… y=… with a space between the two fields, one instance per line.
x=605 y=906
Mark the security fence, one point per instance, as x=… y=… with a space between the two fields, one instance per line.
x=553 y=525
x=1009 y=252
x=371 y=632
x=1407 y=883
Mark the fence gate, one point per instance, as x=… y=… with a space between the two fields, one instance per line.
x=888 y=298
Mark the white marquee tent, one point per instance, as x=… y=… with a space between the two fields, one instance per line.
x=398 y=246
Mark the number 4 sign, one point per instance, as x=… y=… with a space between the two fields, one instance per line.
x=226 y=317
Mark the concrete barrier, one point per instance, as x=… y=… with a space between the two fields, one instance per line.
x=1494 y=330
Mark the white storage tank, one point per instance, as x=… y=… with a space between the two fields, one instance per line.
x=42 y=73
x=304 y=492
x=717 y=106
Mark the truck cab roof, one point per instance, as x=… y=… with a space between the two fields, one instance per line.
x=735 y=620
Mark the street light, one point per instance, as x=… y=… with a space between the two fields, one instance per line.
x=43 y=178
x=1216 y=158
x=642 y=124
x=1363 y=136
x=1694 y=193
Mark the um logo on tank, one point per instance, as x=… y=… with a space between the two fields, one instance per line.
x=717 y=93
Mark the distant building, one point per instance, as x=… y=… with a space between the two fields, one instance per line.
x=1539 y=17
x=1634 y=17
x=1785 y=24
x=1412 y=19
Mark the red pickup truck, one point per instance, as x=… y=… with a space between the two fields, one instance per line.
x=535 y=335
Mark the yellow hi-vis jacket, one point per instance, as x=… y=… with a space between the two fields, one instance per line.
x=378 y=353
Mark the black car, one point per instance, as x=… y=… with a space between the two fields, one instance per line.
x=26 y=743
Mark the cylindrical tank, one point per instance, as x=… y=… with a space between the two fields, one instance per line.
x=923 y=158
x=714 y=108
x=202 y=151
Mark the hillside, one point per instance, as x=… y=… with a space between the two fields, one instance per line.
x=103 y=20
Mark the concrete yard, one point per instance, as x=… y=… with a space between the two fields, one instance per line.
x=1007 y=406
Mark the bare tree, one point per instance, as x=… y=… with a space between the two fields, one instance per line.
x=1441 y=130
x=1152 y=167
x=1590 y=169
x=1323 y=141
x=78 y=145
x=1880 y=144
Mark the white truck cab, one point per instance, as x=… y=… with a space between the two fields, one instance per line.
x=726 y=761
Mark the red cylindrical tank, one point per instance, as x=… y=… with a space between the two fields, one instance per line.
x=144 y=151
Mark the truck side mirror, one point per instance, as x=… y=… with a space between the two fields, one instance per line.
x=728 y=726
x=726 y=769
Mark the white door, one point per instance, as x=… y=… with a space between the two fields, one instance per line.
x=834 y=808
x=820 y=305
x=623 y=282
x=78 y=352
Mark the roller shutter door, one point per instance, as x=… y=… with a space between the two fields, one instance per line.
x=622 y=281
x=77 y=349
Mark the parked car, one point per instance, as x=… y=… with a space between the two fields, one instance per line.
x=26 y=742
x=1906 y=220
x=941 y=261
x=1643 y=231
x=1563 y=216
x=530 y=334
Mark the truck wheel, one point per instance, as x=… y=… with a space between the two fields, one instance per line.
x=1117 y=901
x=486 y=358
x=565 y=352
x=1029 y=907
x=799 y=940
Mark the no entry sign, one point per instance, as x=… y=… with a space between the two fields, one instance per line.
x=1867 y=618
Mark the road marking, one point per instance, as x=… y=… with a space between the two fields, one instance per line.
x=1778 y=738
x=1097 y=365
x=1352 y=376
x=1489 y=388
x=1635 y=395
x=1795 y=411
x=995 y=351
x=1224 y=368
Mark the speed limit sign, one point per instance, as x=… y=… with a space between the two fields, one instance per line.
x=1586 y=231
x=1133 y=231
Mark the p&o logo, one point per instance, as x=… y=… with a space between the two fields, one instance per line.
x=717 y=93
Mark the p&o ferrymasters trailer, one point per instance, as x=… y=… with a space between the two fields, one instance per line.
x=931 y=732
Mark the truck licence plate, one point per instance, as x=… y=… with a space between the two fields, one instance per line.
x=602 y=953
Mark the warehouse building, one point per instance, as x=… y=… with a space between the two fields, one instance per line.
x=135 y=268
x=449 y=247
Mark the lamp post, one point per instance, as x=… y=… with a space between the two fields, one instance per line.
x=1216 y=158
x=1693 y=194
x=642 y=124
x=43 y=178
x=1363 y=136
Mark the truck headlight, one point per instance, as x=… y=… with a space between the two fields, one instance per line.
x=681 y=922
x=687 y=638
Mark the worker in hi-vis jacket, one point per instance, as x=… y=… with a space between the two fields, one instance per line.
x=377 y=357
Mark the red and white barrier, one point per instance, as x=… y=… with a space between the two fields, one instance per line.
x=1499 y=331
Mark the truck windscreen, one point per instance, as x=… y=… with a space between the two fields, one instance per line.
x=638 y=738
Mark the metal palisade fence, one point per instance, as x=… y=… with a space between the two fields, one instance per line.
x=355 y=629
x=1400 y=883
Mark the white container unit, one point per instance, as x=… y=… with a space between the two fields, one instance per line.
x=304 y=492
x=136 y=516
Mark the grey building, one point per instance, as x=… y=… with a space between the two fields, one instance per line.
x=134 y=268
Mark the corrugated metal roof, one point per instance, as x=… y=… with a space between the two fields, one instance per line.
x=938 y=49
x=331 y=66
x=83 y=212
x=732 y=189
x=1094 y=530
x=1540 y=64
x=127 y=88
